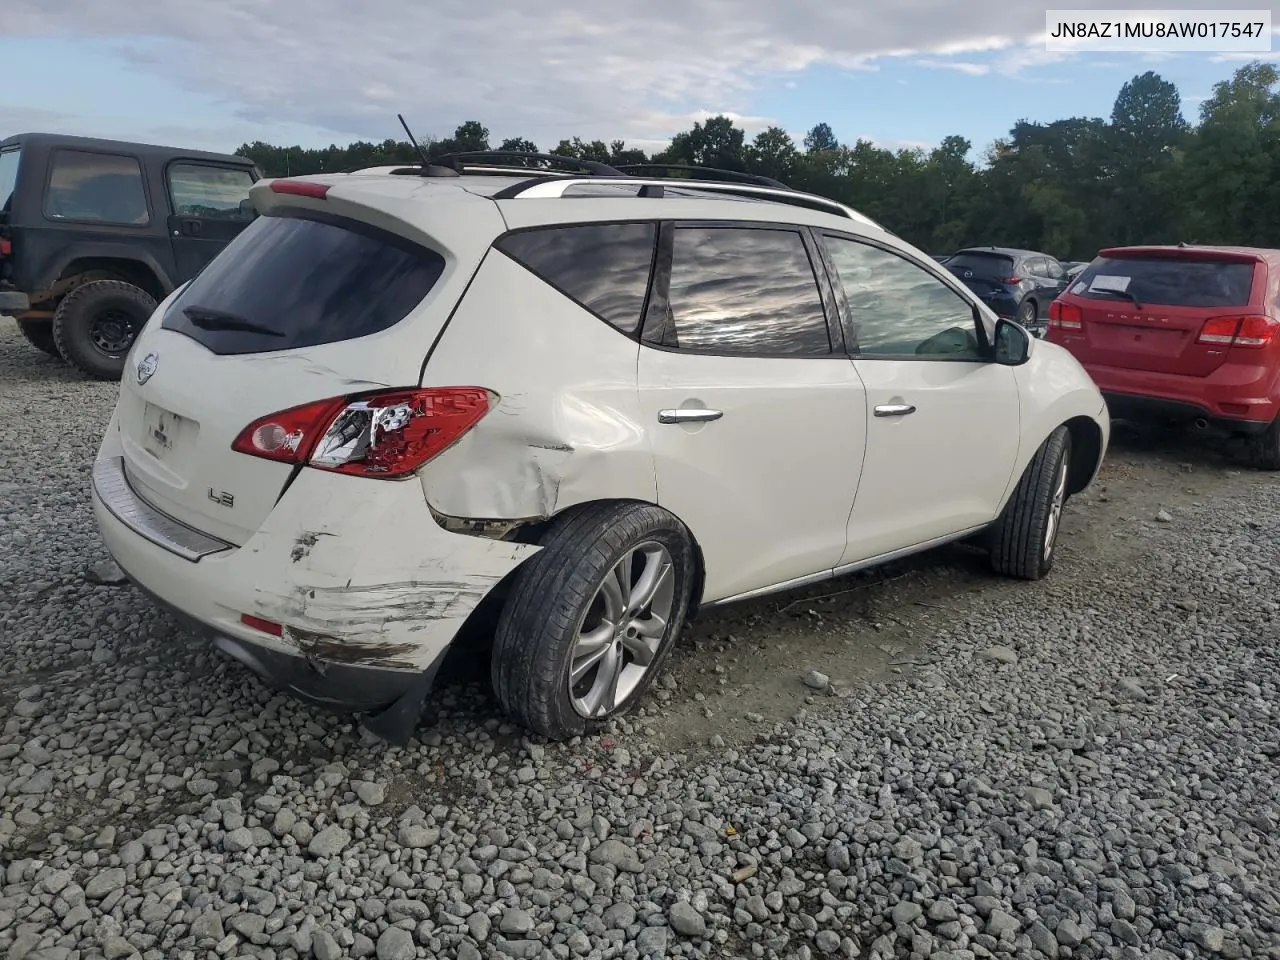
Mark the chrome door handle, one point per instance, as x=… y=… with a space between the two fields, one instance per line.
x=688 y=415
x=894 y=409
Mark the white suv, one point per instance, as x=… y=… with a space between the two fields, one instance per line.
x=589 y=405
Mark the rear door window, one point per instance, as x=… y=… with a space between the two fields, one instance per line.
x=743 y=292
x=96 y=187
x=985 y=265
x=1168 y=281
x=604 y=267
x=291 y=282
x=8 y=177
x=209 y=192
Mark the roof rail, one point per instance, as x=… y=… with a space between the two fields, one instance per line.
x=543 y=187
x=456 y=161
x=738 y=175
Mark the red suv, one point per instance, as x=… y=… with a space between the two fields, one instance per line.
x=1183 y=332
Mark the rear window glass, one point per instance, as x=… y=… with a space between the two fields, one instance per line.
x=8 y=177
x=1168 y=281
x=604 y=266
x=982 y=264
x=98 y=187
x=289 y=282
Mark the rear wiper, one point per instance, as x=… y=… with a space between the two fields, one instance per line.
x=1120 y=293
x=207 y=319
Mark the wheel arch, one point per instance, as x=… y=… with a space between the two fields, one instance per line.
x=1086 y=453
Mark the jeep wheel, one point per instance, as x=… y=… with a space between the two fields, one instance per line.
x=96 y=324
x=39 y=334
x=591 y=617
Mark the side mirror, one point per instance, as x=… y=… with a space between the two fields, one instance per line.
x=247 y=210
x=1013 y=344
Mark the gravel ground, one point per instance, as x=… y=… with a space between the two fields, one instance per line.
x=1080 y=768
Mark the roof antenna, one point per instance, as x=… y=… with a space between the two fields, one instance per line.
x=426 y=162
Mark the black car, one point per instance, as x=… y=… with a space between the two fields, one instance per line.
x=94 y=233
x=1016 y=284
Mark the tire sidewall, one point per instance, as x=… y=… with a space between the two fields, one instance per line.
x=73 y=324
x=1025 y=320
x=1048 y=483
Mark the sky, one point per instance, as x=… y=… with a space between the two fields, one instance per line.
x=214 y=74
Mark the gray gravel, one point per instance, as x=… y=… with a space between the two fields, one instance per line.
x=1084 y=768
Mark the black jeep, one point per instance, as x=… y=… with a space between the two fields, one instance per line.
x=94 y=233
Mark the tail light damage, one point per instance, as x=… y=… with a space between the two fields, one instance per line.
x=386 y=435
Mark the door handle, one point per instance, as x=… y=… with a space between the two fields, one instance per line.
x=894 y=409
x=688 y=415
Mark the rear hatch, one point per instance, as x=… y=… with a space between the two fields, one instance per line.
x=1145 y=308
x=300 y=307
x=986 y=274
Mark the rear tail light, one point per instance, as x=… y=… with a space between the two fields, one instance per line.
x=384 y=435
x=6 y=248
x=1247 y=331
x=1065 y=315
x=1010 y=279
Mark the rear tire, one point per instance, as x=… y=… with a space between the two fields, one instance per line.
x=1264 y=449
x=1027 y=314
x=568 y=612
x=39 y=334
x=1024 y=539
x=97 y=323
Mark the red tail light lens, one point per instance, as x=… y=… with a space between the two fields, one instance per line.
x=385 y=435
x=1010 y=279
x=300 y=188
x=1065 y=315
x=6 y=248
x=1248 y=331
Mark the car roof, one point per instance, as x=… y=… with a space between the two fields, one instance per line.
x=1004 y=251
x=595 y=198
x=108 y=146
x=1186 y=250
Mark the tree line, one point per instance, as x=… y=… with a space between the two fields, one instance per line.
x=1068 y=188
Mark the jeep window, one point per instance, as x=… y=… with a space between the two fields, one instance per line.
x=101 y=187
x=201 y=190
x=744 y=292
x=290 y=282
x=900 y=310
x=988 y=265
x=604 y=266
x=8 y=177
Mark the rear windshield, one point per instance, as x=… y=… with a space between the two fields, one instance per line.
x=982 y=264
x=1168 y=281
x=290 y=282
x=8 y=178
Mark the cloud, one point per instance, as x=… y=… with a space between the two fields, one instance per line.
x=600 y=71
x=961 y=66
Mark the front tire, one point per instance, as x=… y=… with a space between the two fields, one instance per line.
x=591 y=617
x=39 y=334
x=97 y=323
x=1024 y=539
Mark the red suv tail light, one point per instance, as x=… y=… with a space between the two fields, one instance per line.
x=6 y=248
x=384 y=435
x=1237 y=331
x=1065 y=315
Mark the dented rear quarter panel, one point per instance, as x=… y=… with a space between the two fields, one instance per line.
x=566 y=428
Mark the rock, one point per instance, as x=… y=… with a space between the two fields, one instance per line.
x=515 y=922
x=370 y=794
x=208 y=926
x=396 y=944
x=1000 y=654
x=329 y=842
x=1042 y=939
x=117 y=948
x=467 y=951
x=942 y=911
x=1210 y=938
x=1038 y=797
x=479 y=925
x=324 y=947
x=617 y=853
x=1069 y=933
x=816 y=681
x=417 y=836
x=1001 y=925
x=1123 y=906
x=1164 y=516
x=827 y=941
x=651 y=942
x=106 y=573
x=238 y=841
x=104 y=882
x=905 y=912
x=838 y=857
x=686 y=921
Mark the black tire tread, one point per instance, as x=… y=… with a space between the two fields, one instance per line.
x=548 y=596
x=1264 y=449
x=39 y=334
x=68 y=336
x=1017 y=536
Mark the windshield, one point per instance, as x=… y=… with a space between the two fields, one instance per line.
x=1168 y=281
x=8 y=177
